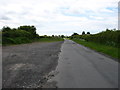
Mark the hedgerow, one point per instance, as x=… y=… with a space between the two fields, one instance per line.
x=22 y=34
x=108 y=37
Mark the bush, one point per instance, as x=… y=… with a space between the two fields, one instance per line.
x=17 y=33
x=18 y=40
x=108 y=37
x=23 y=34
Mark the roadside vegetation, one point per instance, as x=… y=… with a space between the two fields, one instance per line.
x=24 y=34
x=107 y=42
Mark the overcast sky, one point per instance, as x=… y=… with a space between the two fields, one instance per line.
x=60 y=16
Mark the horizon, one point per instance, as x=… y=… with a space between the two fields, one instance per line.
x=63 y=17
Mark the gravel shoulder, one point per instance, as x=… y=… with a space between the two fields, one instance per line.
x=27 y=65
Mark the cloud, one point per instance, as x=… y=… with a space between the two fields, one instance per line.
x=60 y=16
x=4 y=18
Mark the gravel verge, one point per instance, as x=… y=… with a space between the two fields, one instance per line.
x=26 y=65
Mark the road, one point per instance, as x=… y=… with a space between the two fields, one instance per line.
x=26 y=65
x=39 y=65
x=81 y=67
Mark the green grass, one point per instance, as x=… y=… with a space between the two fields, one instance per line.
x=23 y=40
x=109 y=50
x=49 y=39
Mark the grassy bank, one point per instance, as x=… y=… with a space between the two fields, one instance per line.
x=109 y=50
x=22 y=40
x=50 y=39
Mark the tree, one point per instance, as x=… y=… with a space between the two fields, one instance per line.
x=88 y=32
x=45 y=36
x=83 y=33
x=62 y=36
x=5 y=29
x=107 y=29
x=30 y=29
x=14 y=29
x=53 y=36
x=75 y=34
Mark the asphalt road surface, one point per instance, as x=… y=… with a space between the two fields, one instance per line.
x=80 y=67
x=27 y=65
x=39 y=65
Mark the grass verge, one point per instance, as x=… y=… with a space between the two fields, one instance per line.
x=22 y=40
x=108 y=50
x=50 y=39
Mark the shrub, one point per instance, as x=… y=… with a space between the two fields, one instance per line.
x=17 y=33
x=108 y=37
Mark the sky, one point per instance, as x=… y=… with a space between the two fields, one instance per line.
x=60 y=16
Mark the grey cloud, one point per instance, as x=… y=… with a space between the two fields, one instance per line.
x=4 y=18
x=17 y=13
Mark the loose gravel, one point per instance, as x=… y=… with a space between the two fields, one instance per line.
x=26 y=65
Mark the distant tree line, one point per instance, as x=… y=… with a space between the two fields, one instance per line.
x=108 y=37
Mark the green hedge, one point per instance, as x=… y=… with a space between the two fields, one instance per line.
x=17 y=33
x=17 y=40
x=108 y=37
x=24 y=34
